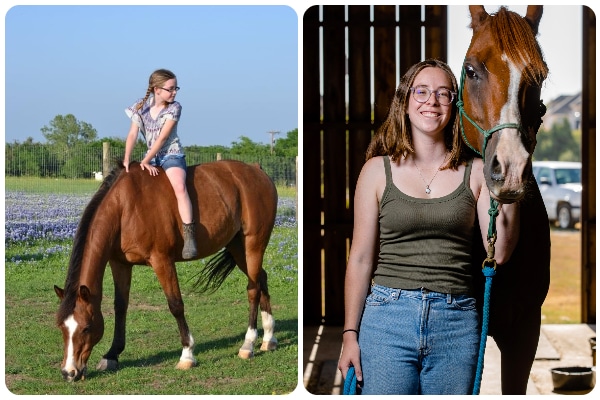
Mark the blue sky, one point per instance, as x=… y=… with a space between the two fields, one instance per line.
x=237 y=67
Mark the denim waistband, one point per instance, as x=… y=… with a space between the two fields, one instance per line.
x=160 y=159
x=421 y=293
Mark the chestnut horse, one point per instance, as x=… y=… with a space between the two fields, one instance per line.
x=500 y=110
x=133 y=220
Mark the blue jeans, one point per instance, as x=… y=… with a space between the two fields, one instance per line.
x=168 y=161
x=418 y=342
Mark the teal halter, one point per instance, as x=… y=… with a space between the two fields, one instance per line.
x=486 y=134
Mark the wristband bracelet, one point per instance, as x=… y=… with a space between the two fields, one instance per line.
x=350 y=330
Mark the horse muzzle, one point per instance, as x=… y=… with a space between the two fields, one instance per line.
x=504 y=191
x=507 y=197
x=505 y=176
x=74 y=374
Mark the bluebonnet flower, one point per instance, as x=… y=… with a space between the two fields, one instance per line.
x=33 y=216
x=286 y=212
x=48 y=221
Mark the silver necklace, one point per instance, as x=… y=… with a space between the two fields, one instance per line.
x=427 y=189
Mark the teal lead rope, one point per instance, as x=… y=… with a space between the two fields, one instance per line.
x=489 y=270
x=350 y=382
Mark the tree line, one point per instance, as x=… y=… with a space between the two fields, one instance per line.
x=73 y=150
x=559 y=143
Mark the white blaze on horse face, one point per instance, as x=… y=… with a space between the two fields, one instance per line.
x=71 y=325
x=510 y=151
x=510 y=110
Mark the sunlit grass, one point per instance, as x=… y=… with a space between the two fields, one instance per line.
x=563 y=302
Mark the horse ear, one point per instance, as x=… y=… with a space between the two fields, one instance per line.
x=59 y=292
x=478 y=15
x=533 y=16
x=84 y=293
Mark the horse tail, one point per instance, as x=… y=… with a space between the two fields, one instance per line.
x=212 y=276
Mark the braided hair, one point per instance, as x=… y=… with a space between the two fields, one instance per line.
x=157 y=79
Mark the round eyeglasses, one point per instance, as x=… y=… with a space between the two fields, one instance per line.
x=175 y=89
x=444 y=96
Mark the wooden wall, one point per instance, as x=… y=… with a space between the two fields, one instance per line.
x=588 y=173
x=338 y=123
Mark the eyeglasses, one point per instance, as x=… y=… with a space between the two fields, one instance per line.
x=444 y=96
x=176 y=89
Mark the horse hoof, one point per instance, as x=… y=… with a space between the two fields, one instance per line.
x=245 y=354
x=269 y=345
x=185 y=364
x=107 y=365
x=247 y=350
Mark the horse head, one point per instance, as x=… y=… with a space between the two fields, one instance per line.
x=499 y=96
x=82 y=325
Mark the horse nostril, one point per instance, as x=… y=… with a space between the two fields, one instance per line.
x=496 y=170
x=69 y=375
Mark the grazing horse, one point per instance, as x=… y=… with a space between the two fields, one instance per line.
x=500 y=114
x=133 y=220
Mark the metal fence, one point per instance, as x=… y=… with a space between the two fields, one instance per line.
x=93 y=161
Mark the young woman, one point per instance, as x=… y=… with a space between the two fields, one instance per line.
x=156 y=117
x=408 y=287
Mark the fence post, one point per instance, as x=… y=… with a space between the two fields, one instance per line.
x=218 y=156
x=105 y=159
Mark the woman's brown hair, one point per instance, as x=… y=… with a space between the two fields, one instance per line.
x=394 y=136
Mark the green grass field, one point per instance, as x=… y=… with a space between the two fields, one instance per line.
x=50 y=185
x=147 y=366
x=218 y=322
x=80 y=186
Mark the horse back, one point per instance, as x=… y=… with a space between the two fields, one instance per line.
x=243 y=191
x=228 y=198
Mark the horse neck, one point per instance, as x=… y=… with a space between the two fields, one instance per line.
x=98 y=245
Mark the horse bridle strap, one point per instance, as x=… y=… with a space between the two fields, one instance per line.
x=486 y=133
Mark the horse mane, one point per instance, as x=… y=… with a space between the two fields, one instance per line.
x=517 y=40
x=72 y=281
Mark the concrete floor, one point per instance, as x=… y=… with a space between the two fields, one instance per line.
x=560 y=345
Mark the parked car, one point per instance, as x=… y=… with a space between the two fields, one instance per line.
x=560 y=185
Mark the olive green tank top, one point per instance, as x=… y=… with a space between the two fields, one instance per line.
x=426 y=243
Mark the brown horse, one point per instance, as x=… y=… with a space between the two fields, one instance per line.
x=503 y=72
x=133 y=220
x=500 y=108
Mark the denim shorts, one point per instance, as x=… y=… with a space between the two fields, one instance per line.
x=170 y=160
x=418 y=342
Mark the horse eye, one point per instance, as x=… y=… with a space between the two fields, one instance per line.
x=87 y=329
x=470 y=71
